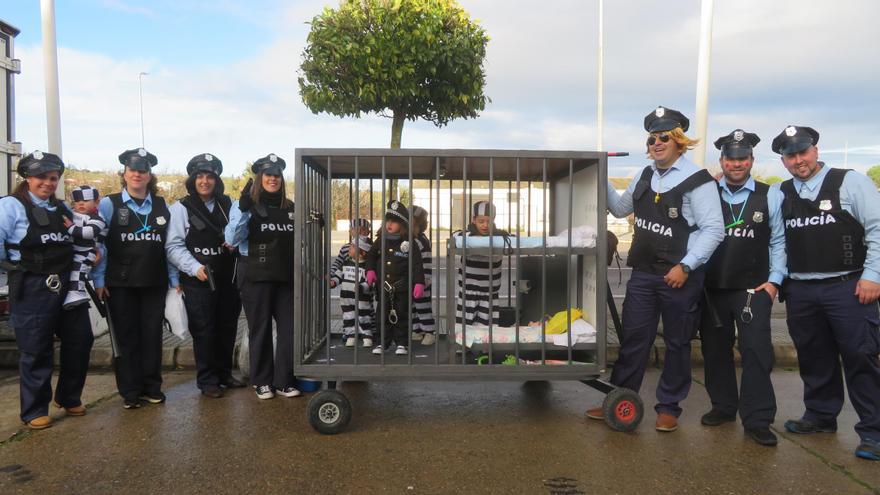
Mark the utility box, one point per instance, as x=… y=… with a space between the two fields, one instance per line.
x=9 y=67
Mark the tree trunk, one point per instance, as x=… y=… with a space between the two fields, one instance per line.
x=397 y=129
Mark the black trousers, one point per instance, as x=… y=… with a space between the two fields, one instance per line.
x=264 y=302
x=398 y=332
x=36 y=316
x=138 y=313
x=755 y=401
x=213 y=323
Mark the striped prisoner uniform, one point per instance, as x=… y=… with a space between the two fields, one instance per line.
x=481 y=279
x=347 y=272
x=87 y=232
x=423 y=314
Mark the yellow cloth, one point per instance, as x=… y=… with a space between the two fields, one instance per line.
x=558 y=323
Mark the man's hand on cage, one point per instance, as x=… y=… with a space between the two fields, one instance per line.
x=418 y=291
x=371 y=278
x=245 y=202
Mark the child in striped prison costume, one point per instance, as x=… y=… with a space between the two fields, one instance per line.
x=88 y=231
x=355 y=295
x=423 y=314
x=359 y=228
x=480 y=276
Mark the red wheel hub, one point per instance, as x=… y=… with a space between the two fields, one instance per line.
x=625 y=411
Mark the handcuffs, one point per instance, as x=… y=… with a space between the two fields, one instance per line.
x=53 y=283
x=392 y=315
x=746 y=314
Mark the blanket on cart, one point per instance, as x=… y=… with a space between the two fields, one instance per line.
x=581 y=333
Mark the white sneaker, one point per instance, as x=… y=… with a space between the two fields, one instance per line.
x=401 y=350
x=416 y=336
x=428 y=339
x=350 y=342
x=265 y=392
x=368 y=342
x=378 y=349
x=288 y=392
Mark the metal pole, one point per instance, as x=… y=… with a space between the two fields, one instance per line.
x=141 y=95
x=600 y=80
x=703 y=67
x=50 y=79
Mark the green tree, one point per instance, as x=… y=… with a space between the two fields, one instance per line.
x=874 y=174
x=404 y=59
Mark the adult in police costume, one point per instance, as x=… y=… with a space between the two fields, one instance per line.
x=133 y=277
x=678 y=224
x=742 y=279
x=832 y=234
x=203 y=268
x=37 y=256
x=261 y=227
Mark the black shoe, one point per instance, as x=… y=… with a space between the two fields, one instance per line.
x=716 y=418
x=804 y=426
x=233 y=382
x=131 y=403
x=153 y=397
x=213 y=391
x=869 y=449
x=762 y=436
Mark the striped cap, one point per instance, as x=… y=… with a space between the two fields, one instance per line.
x=85 y=193
x=484 y=209
x=361 y=223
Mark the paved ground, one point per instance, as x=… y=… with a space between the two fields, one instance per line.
x=417 y=437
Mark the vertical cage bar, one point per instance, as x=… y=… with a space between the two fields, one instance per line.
x=357 y=263
x=544 y=261
x=380 y=284
x=409 y=259
x=464 y=210
x=518 y=230
x=568 y=253
x=492 y=259
x=436 y=273
x=328 y=200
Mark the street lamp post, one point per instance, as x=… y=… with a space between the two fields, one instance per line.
x=141 y=94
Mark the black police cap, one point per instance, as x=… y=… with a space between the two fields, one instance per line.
x=794 y=139
x=737 y=144
x=271 y=164
x=397 y=211
x=665 y=119
x=38 y=163
x=204 y=162
x=138 y=159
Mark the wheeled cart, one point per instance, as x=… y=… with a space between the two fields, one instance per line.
x=548 y=242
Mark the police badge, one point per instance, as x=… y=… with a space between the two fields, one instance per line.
x=738 y=135
x=825 y=204
x=160 y=220
x=290 y=215
x=673 y=213
x=123 y=214
x=660 y=111
x=790 y=131
x=404 y=246
x=142 y=152
x=758 y=217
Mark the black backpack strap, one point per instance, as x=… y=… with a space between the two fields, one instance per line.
x=644 y=183
x=197 y=217
x=831 y=185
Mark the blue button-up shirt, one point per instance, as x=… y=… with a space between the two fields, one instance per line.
x=700 y=207
x=236 y=232
x=859 y=197
x=105 y=209
x=778 y=260
x=180 y=259
x=14 y=223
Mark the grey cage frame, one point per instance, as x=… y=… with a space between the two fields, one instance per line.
x=317 y=168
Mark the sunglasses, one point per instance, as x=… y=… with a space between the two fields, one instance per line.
x=664 y=138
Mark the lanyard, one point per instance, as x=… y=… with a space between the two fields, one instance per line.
x=737 y=219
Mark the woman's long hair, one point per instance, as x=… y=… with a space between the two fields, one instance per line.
x=152 y=186
x=190 y=184
x=258 y=190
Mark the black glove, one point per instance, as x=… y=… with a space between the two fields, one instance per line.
x=245 y=202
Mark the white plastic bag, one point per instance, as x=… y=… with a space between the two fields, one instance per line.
x=175 y=313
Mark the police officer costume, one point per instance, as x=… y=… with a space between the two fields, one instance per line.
x=135 y=272
x=196 y=240
x=391 y=255
x=832 y=234
x=678 y=221
x=263 y=233
x=752 y=254
x=37 y=258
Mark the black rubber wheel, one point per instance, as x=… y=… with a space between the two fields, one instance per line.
x=329 y=412
x=623 y=409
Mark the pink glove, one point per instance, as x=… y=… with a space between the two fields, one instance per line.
x=418 y=291
x=371 y=277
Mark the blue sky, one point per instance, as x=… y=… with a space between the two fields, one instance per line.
x=223 y=78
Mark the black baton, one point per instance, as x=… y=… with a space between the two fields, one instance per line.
x=210 y=273
x=102 y=308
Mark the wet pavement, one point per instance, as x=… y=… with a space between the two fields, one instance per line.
x=424 y=437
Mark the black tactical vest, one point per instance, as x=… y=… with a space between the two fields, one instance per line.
x=270 y=244
x=136 y=245
x=742 y=260
x=661 y=231
x=205 y=238
x=46 y=247
x=820 y=236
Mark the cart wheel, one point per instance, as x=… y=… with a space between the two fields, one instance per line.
x=623 y=409
x=329 y=412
